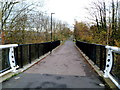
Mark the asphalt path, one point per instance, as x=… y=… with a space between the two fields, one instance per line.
x=64 y=68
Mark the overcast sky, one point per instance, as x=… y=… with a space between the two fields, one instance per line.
x=68 y=10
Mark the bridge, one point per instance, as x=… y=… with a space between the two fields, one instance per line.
x=54 y=65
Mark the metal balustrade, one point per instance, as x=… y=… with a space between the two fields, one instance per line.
x=97 y=53
x=15 y=56
x=107 y=58
x=26 y=53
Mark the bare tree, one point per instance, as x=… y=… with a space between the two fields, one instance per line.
x=106 y=17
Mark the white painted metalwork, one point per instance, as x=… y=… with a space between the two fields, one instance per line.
x=5 y=72
x=114 y=81
x=8 y=46
x=109 y=64
x=116 y=49
x=11 y=58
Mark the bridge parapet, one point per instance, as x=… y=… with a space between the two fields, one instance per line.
x=15 y=56
x=107 y=58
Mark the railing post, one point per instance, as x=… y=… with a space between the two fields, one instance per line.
x=101 y=58
x=51 y=48
x=109 y=63
x=16 y=55
x=38 y=50
x=29 y=53
x=21 y=57
x=105 y=55
x=94 y=55
x=12 y=59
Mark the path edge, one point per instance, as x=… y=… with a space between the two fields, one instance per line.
x=26 y=67
x=107 y=81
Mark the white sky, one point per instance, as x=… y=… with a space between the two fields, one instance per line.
x=68 y=10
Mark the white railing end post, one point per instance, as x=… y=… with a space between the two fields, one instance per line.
x=12 y=59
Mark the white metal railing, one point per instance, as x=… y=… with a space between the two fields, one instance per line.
x=11 y=58
x=109 y=63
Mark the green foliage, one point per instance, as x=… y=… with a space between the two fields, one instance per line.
x=93 y=34
x=82 y=32
x=23 y=37
x=25 y=24
x=27 y=36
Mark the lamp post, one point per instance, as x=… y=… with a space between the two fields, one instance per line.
x=51 y=31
